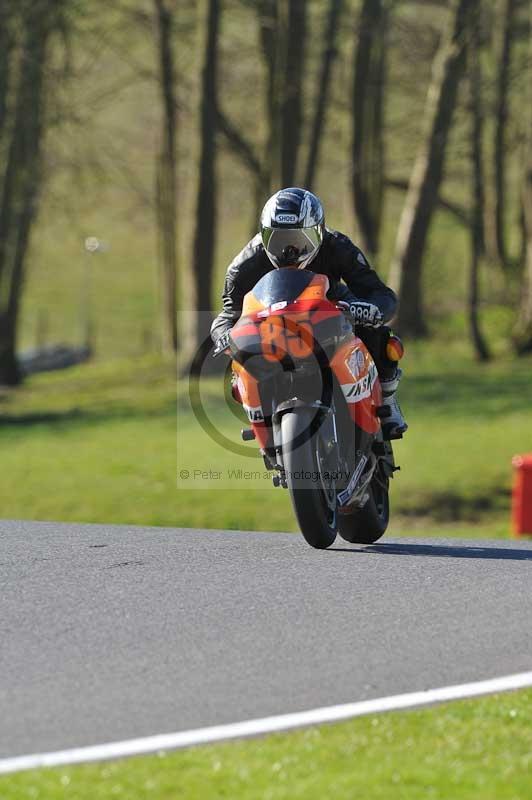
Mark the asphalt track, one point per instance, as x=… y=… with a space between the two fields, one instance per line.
x=110 y=633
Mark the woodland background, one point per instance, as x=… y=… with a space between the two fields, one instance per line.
x=139 y=140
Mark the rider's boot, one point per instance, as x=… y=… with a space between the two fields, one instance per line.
x=392 y=420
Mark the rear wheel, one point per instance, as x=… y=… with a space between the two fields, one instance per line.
x=369 y=523
x=313 y=494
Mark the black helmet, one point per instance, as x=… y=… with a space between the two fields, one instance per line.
x=292 y=224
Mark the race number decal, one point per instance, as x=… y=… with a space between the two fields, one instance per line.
x=283 y=336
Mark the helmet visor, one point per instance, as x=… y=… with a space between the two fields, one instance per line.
x=292 y=247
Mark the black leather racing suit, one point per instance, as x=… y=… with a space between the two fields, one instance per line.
x=351 y=278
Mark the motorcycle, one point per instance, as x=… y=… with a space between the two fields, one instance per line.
x=311 y=391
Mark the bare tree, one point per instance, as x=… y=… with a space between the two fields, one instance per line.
x=320 y=109
x=268 y=19
x=244 y=149
x=259 y=167
x=23 y=173
x=477 y=234
x=206 y=194
x=282 y=34
x=458 y=212
x=293 y=16
x=368 y=107
x=167 y=174
x=523 y=332
x=523 y=329
x=7 y=41
x=507 y=26
x=282 y=27
x=427 y=174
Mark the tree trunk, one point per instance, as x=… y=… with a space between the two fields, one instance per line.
x=205 y=226
x=320 y=110
x=523 y=329
x=22 y=179
x=460 y=214
x=166 y=176
x=283 y=37
x=523 y=332
x=6 y=47
x=268 y=18
x=501 y=121
x=422 y=196
x=368 y=139
x=245 y=151
x=293 y=15
x=477 y=238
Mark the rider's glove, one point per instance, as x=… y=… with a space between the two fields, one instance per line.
x=222 y=343
x=364 y=313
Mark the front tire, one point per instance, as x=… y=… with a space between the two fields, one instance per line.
x=313 y=500
x=366 y=525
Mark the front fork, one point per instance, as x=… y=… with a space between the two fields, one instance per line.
x=323 y=427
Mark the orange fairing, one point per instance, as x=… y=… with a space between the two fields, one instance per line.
x=286 y=329
x=316 y=290
x=290 y=334
x=357 y=375
x=248 y=389
x=251 y=305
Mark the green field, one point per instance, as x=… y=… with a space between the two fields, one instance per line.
x=468 y=750
x=98 y=444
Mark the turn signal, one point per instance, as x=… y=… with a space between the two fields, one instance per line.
x=394 y=348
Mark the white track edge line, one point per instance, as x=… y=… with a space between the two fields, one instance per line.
x=254 y=727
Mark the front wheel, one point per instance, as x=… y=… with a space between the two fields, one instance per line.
x=312 y=492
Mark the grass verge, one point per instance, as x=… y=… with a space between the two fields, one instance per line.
x=464 y=750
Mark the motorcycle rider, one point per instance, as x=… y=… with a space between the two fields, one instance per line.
x=293 y=234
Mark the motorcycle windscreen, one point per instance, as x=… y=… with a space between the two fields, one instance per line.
x=282 y=285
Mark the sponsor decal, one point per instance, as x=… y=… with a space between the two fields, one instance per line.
x=356 y=362
x=355 y=392
x=352 y=364
x=344 y=497
x=254 y=413
x=287 y=219
x=277 y=306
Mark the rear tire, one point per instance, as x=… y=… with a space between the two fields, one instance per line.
x=366 y=525
x=314 y=504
